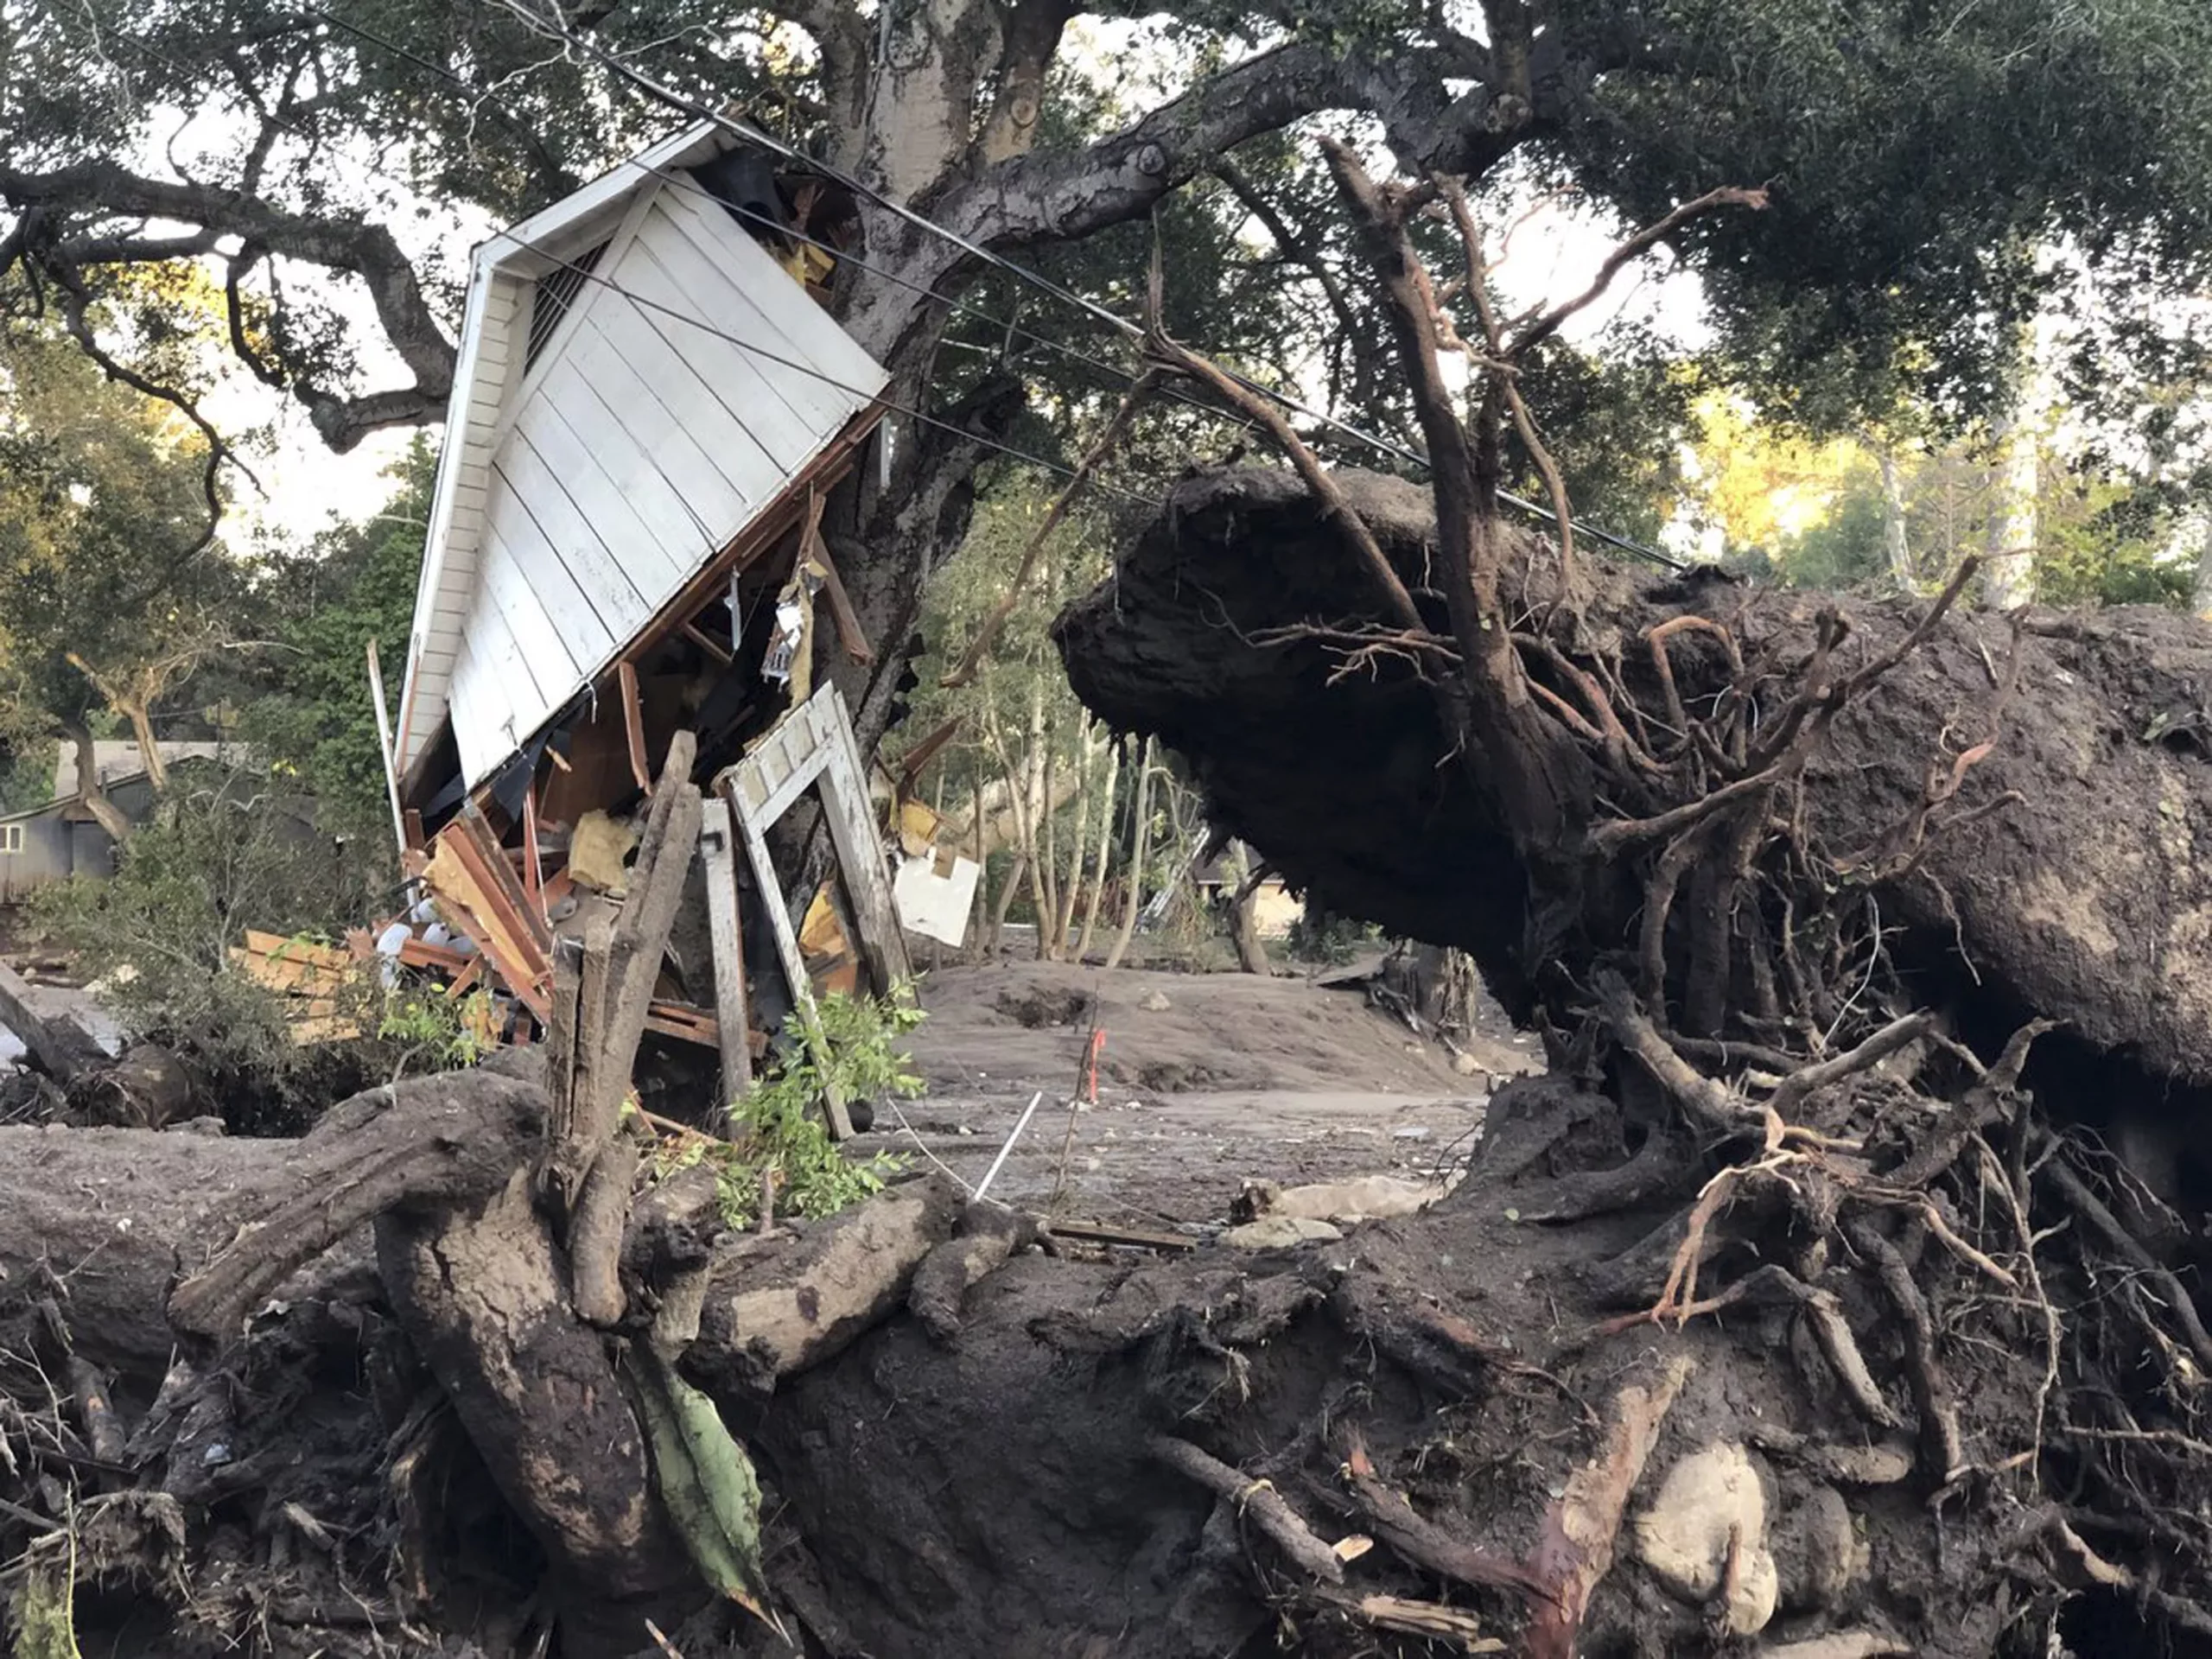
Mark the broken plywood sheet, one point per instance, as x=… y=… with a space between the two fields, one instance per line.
x=476 y=889
x=321 y=984
x=934 y=895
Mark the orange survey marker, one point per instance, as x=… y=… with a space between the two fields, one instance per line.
x=1091 y=1062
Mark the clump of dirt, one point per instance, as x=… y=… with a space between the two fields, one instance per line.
x=1039 y=1006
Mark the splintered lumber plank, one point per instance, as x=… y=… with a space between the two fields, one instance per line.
x=787 y=952
x=718 y=852
x=276 y=945
x=470 y=874
x=533 y=866
x=278 y=975
x=621 y=963
x=1097 y=1232
x=421 y=953
x=634 y=724
x=851 y=817
x=850 y=634
x=657 y=883
x=686 y=1024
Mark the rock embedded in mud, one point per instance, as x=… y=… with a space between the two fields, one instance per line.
x=1710 y=1503
x=1817 y=1550
x=1280 y=1233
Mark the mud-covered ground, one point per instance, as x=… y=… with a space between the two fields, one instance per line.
x=1205 y=1081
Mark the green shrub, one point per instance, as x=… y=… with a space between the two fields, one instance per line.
x=777 y=1128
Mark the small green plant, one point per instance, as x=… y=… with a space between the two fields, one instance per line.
x=1332 y=941
x=777 y=1131
x=439 y=1032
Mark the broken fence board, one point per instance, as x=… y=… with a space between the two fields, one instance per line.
x=718 y=854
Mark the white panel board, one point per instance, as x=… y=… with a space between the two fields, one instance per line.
x=782 y=315
x=631 y=506
x=745 y=406
x=652 y=567
x=481 y=714
x=607 y=590
x=801 y=408
x=641 y=387
x=680 y=397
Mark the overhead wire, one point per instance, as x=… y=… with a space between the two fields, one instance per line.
x=746 y=131
x=890 y=405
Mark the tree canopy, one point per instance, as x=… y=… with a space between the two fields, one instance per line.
x=1923 y=160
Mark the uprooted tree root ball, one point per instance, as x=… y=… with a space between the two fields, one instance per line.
x=1834 y=858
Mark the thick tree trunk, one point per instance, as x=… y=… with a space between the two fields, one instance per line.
x=1896 y=554
x=1098 y=864
x=1243 y=923
x=90 y=789
x=1069 y=1459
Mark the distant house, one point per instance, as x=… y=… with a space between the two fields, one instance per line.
x=50 y=844
x=43 y=845
x=115 y=759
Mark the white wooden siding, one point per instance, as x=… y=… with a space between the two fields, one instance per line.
x=690 y=381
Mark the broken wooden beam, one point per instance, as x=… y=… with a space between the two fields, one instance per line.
x=718 y=853
x=1098 y=1232
x=816 y=551
x=634 y=724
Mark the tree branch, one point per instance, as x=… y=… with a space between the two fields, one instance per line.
x=1057 y=197
x=335 y=243
x=1642 y=242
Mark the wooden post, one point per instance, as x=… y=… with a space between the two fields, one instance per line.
x=597 y=1014
x=787 y=951
x=390 y=754
x=725 y=921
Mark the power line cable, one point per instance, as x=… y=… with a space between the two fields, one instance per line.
x=661 y=92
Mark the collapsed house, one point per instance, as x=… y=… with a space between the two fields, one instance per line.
x=651 y=403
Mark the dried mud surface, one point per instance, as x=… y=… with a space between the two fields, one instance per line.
x=1205 y=1081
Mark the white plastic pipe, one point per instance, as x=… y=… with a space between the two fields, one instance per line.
x=999 y=1162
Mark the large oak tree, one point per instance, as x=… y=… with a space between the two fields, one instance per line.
x=1921 y=159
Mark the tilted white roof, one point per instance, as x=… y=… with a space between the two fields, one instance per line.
x=688 y=382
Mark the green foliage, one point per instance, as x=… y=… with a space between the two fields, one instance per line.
x=312 y=713
x=212 y=863
x=777 y=1130
x=433 y=1027
x=100 y=505
x=1315 y=936
x=42 y=1603
x=1843 y=549
x=1617 y=420
x=2106 y=542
